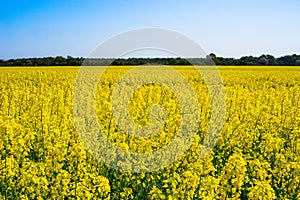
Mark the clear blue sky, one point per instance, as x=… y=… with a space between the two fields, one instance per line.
x=230 y=28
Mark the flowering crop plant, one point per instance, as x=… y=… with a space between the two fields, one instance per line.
x=256 y=156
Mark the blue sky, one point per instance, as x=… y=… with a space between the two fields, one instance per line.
x=230 y=28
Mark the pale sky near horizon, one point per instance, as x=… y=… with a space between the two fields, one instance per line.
x=229 y=28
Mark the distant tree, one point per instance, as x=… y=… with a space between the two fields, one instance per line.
x=287 y=60
x=263 y=60
x=59 y=60
x=214 y=58
x=248 y=60
x=271 y=59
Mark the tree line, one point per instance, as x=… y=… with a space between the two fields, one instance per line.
x=263 y=60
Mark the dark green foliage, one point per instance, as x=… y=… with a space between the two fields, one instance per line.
x=263 y=60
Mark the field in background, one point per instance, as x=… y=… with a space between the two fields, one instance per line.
x=257 y=155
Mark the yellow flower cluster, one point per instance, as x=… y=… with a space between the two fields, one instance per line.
x=41 y=155
x=257 y=155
